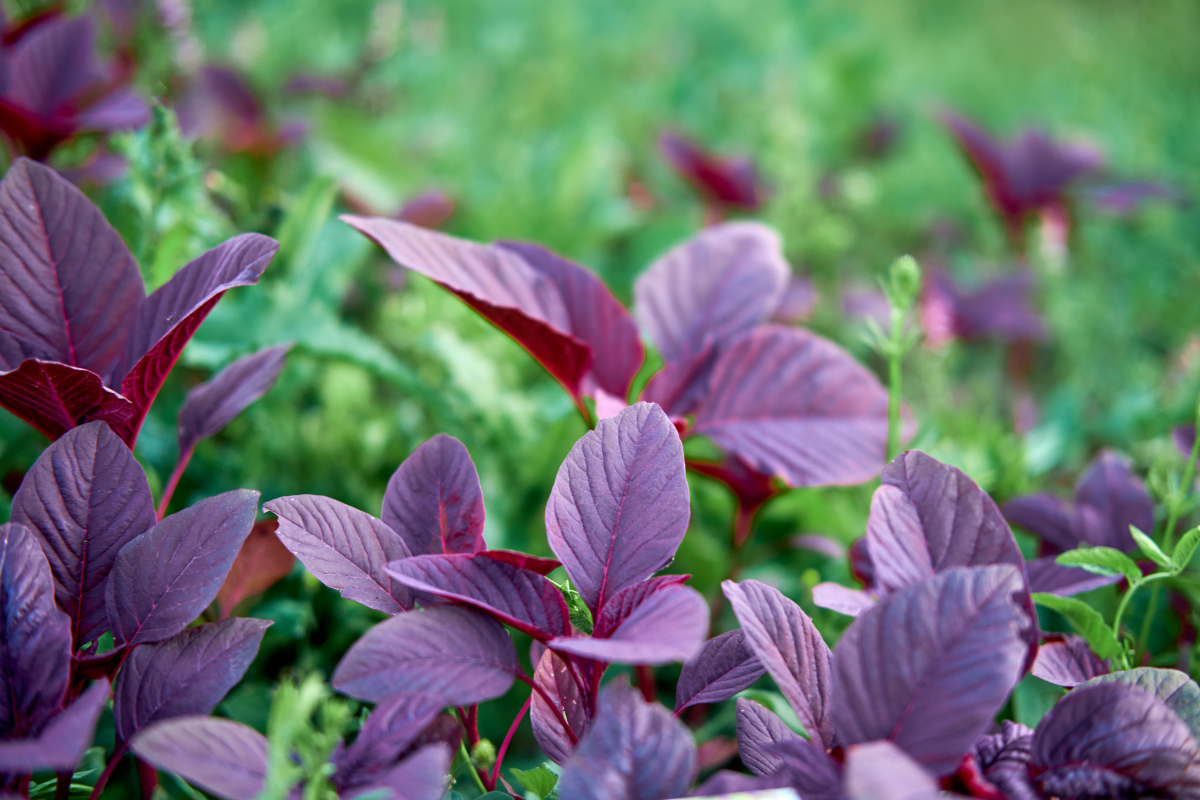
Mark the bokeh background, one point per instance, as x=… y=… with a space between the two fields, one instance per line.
x=539 y=122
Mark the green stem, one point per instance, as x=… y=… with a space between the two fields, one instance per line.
x=1185 y=488
x=1124 y=604
x=895 y=355
x=462 y=749
x=1144 y=633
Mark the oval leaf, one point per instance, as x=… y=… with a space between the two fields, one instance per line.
x=391 y=728
x=667 y=626
x=1175 y=688
x=456 y=652
x=61 y=743
x=724 y=666
x=1067 y=662
x=882 y=771
x=166 y=577
x=758 y=730
x=1047 y=576
x=262 y=561
x=1116 y=500
x=1102 y=561
x=1084 y=619
x=213 y=405
x=220 y=756
x=556 y=678
x=54 y=398
x=619 y=507
x=434 y=501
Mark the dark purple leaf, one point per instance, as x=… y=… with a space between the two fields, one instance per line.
x=625 y=602
x=389 y=731
x=213 y=405
x=1175 y=688
x=556 y=678
x=681 y=385
x=1067 y=661
x=720 y=181
x=346 y=549
x=1184 y=437
x=724 y=666
x=882 y=771
x=542 y=566
x=619 y=507
x=796 y=406
x=1046 y=575
x=166 y=577
x=667 y=626
x=35 y=654
x=758 y=729
x=121 y=110
x=810 y=770
x=998 y=309
x=791 y=650
x=85 y=498
x=595 y=317
x=497 y=283
x=1117 y=499
x=68 y=283
x=62 y=741
x=457 y=652
x=168 y=317
x=1112 y=740
x=54 y=398
x=1047 y=516
x=185 y=675
x=842 y=599
x=929 y=666
x=634 y=751
x=434 y=501
x=517 y=597
x=718 y=284
x=220 y=756
x=1003 y=758
x=421 y=776
x=52 y=64
x=262 y=561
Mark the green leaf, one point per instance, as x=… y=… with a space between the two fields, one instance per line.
x=1085 y=619
x=1150 y=548
x=581 y=615
x=541 y=781
x=495 y=796
x=1102 y=561
x=1185 y=549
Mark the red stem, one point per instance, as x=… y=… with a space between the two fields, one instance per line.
x=173 y=482
x=645 y=682
x=504 y=745
x=148 y=777
x=62 y=786
x=117 y=755
x=470 y=720
x=562 y=719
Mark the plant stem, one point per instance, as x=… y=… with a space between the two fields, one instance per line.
x=470 y=721
x=895 y=356
x=1185 y=488
x=462 y=748
x=117 y=755
x=508 y=738
x=173 y=482
x=645 y=682
x=560 y=716
x=62 y=786
x=1124 y=604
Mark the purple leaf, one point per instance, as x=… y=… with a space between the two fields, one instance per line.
x=121 y=110
x=262 y=561
x=185 y=675
x=634 y=751
x=497 y=283
x=929 y=667
x=430 y=209
x=758 y=729
x=554 y=675
x=213 y=405
x=720 y=283
x=168 y=317
x=1117 y=499
x=391 y=728
x=515 y=596
x=796 y=406
x=998 y=309
x=810 y=769
x=1184 y=437
x=681 y=385
x=52 y=64
x=1046 y=575
x=1003 y=758
x=69 y=283
x=457 y=652
x=421 y=776
x=346 y=549
x=434 y=501
x=54 y=398
x=62 y=741
x=85 y=498
x=35 y=658
x=724 y=666
x=667 y=626
x=723 y=182
x=1047 y=516
x=1112 y=740
x=798 y=301
x=842 y=599
x=1068 y=661
x=625 y=602
x=882 y=771
x=619 y=507
x=727 y=782
x=1175 y=688
x=594 y=317
x=220 y=756
x=542 y=566
x=166 y=577
x=791 y=650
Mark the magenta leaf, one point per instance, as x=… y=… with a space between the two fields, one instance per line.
x=344 y=548
x=1067 y=661
x=882 y=771
x=791 y=650
x=723 y=182
x=35 y=658
x=457 y=652
x=393 y=725
x=168 y=317
x=85 y=498
x=166 y=577
x=542 y=566
x=758 y=730
x=625 y=602
x=842 y=599
x=724 y=666
x=54 y=398
x=186 y=675
x=796 y=406
x=1112 y=739
x=619 y=507
x=553 y=674
x=220 y=756
x=634 y=751
x=433 y=501
x=515 y=596
x=70 y=285
x=51 y=64
x=667 y=626
x=929 y=666
x=720 y=283
x=213 y=405
x=62 y=741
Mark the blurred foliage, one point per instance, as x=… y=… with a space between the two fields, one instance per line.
x=536 y=117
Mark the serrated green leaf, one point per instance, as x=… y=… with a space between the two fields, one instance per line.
x=1185 y=549
x=1150 y=548
x=581 y=615
x=1102 y=561
x=1085 y=619
x=542 y=781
